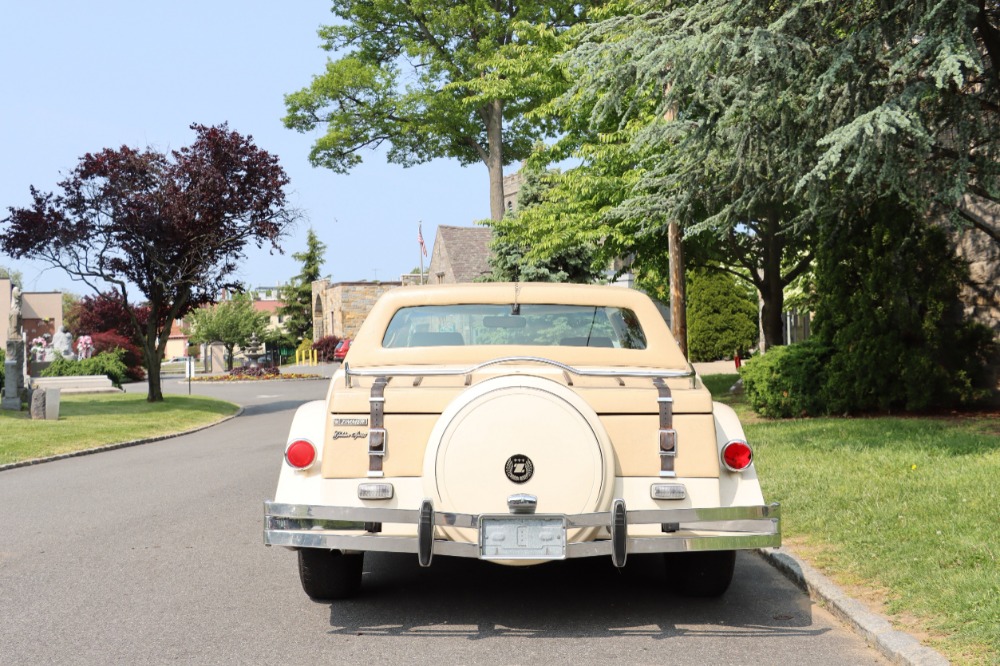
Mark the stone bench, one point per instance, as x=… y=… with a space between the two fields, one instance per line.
x=79 y=384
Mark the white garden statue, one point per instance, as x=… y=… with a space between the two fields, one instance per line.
x=62 y=343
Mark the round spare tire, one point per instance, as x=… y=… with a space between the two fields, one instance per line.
x=519 y=434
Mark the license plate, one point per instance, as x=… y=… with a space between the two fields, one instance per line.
x=514 y=537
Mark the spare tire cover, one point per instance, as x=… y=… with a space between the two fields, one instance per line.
x=519 y=434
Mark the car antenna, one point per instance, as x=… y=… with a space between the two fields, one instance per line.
x=515 y=309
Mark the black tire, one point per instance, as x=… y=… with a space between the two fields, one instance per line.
x=330 y=574
x=701 y=574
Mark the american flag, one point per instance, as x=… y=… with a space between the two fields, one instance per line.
x=420 y=239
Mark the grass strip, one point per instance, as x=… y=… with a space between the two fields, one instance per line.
x=904 y=510
x=91 y=420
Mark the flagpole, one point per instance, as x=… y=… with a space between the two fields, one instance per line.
x=421 y=250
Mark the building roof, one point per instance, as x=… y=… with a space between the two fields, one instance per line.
x=468 y=250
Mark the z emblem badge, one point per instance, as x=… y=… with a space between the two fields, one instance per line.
x=519 y=468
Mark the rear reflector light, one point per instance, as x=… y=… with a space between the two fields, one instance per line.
x=371 y=491
x=300 y=454
x=737 y=455
x=667 y=491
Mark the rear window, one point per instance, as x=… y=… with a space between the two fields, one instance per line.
x=531 y=324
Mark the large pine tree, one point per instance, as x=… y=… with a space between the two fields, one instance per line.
x=297 y=294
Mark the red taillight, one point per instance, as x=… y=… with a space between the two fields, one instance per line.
x=300 y=454
x=737 y=455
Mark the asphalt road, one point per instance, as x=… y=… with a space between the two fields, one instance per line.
x=153 y=554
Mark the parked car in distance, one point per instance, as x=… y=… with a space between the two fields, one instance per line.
x=340 y=351
x=520 y=424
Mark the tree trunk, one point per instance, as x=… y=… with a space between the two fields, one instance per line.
x=678 y=302
x=494 y=157
x=771 y=285
x=772 y=303
x=155 y=393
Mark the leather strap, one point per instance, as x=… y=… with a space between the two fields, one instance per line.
x=377 y=436
x=667 y=435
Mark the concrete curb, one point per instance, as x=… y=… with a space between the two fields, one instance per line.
x=112 y=447
x=896 y=646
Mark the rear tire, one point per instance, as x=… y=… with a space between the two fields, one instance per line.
x=330 y=574
x=700 y=574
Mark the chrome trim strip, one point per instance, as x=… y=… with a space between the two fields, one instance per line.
x=599 y=519
x=675 y=543
x=304 y=526
x=442 y=372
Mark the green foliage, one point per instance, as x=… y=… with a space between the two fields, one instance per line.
x=456 y=80
x=296 y=296
x=787 y=381
x=888 y=332
x=3 y=358
x=231 y=322
x=511 y=257
x=110 y=364
x=721 y=315
x=887 y=286
x=16 y=278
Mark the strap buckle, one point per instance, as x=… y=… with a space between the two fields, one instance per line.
x=377 y=440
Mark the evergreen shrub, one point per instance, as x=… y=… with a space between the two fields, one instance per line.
x=888 y=308
x=787 y=381
x=3 y=358
x=721 y=316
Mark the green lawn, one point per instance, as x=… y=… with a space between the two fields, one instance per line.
x=900 y=510
x=88 y=421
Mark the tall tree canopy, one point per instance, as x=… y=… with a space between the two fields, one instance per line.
x=435 y=79
x=172 y=227
x=297 y=306
x=756 y=121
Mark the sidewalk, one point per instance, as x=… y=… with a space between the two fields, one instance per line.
x=716 y=368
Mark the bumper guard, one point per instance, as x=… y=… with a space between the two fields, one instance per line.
x=728 y=528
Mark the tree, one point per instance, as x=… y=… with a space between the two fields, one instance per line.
x=888 y=310
x=106 y=312
x=296 y=296
x=722 y=315
x=16 y=278
x=171 y=227
x=231 y=322
x=510 y=259
x=457 y=80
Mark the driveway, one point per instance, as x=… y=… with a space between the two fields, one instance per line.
x=153 y=554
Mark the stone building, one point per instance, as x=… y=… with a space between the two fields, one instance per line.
x=511 y=188
x=461 y=254
x=339 y=309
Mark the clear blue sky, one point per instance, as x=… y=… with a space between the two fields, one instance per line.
x=81 y=76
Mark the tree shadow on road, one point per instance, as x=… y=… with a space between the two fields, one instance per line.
x=585 y=598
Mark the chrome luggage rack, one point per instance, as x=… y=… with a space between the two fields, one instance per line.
x=389 y=371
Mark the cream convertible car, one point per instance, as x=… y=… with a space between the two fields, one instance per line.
x=518 y=423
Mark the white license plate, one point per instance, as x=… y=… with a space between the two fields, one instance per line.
x=522 y=537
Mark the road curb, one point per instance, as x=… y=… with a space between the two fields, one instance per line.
x=112 y=447
x=896 y=646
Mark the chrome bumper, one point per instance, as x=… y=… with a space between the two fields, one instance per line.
x=732 y=528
